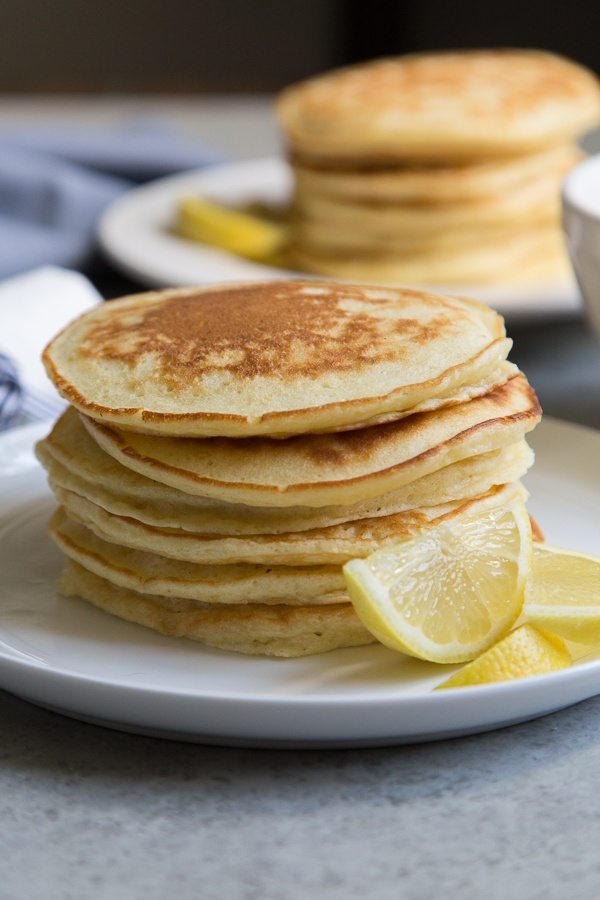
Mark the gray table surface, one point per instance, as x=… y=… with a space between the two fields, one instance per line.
x=91 y=813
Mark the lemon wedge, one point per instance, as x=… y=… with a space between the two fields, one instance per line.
x=447 y=594
x=230 y=229
x=525 y=651
x=563 y=594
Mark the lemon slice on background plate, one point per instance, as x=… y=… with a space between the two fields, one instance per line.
x=230 y=229
x=563 y=594
x=447 y=594
x=525 y=651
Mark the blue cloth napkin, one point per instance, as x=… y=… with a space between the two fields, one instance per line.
x=55 y=183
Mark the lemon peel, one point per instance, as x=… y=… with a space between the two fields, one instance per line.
x=232 y=230
x=525 y=651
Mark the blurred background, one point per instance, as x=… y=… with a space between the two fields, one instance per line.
x=96 y=97
x=239 y=46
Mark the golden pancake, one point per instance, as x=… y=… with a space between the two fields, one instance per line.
x=435 y=184
x=255 y=629
x=465 y=240
x=334 y=545
x=148 y=573
x=535 y=202
x=328 y=469
x=451 y=105
x=274 y=358
x=535 y=255
x=86 y=470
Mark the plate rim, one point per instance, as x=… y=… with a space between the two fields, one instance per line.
x=451 y=697
x=432 y=698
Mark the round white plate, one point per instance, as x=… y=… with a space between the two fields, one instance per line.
x=135 y=234
x=70 y=657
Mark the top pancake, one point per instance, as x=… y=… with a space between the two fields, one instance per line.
x=486 y=103
x=275 y=358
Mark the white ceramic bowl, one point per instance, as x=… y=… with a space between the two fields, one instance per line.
x=581 y=223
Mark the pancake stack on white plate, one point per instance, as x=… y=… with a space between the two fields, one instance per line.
x=436 y=168
x=228 y=448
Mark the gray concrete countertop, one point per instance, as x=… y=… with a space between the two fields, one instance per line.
x=91 y=813
x=87 y=812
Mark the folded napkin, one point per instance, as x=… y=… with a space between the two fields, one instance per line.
x=33 y=307
x=55 y=183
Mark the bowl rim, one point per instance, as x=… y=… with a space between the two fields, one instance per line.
x=573 y=178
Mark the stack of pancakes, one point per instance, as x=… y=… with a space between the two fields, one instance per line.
x=436 y=168
x=228 y=448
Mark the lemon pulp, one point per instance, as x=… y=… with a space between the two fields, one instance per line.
x=563 y=594
x=449 y=593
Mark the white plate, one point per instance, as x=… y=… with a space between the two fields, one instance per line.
x=134 y=233
x=70 y=657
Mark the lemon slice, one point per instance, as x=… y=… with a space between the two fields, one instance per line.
x=563 y=594
x=447 y=594
x=230 y=229
x=525 y=651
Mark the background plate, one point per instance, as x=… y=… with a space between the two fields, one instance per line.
x=68 y=656
x=135 y=234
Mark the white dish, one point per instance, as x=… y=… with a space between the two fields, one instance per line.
x=581 y=223
x=67 y=656
x=134 y=233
